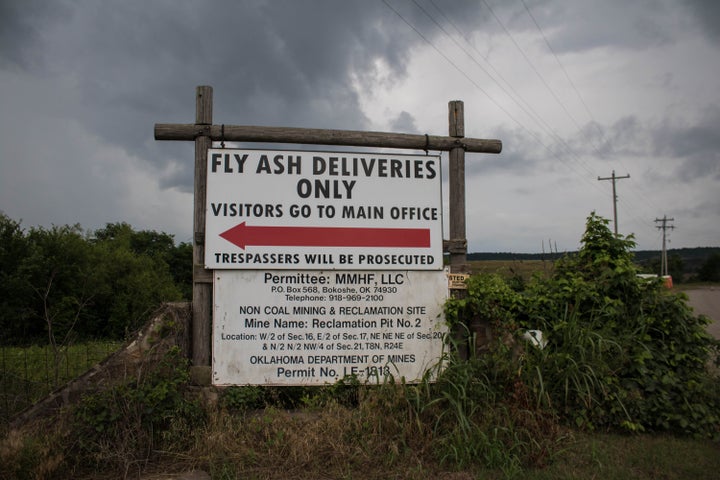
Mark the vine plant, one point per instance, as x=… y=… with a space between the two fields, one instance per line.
x=623 y=353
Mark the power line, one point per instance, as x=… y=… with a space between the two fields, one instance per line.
x=532 y=65
x=467 y=76
x=460 y=70
x=562 y=67
x=513 y=95
x=580 y=98
x=538 y=120
x=638 y=190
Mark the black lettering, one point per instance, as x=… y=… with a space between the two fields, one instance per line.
x=294 y=164
x=396 y=168
x=240 y=161
x=263 y=165
x=430 y=167
x=318 y=166
x=216 y=161
x=368 y=167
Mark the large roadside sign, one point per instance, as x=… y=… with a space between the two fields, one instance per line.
x=318 y=210
x=299 y=327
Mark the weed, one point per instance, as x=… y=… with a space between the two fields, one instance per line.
x=623 y=353
x=125 y=423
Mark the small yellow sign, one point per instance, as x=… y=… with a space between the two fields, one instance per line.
x=456 y=281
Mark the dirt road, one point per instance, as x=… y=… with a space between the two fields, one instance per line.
x=706 y=301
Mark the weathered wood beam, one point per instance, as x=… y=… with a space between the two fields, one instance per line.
x=455 y=245
x=312 y=136
x=202 y=289
x=456 y=182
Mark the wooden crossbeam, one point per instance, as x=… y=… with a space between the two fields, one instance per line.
x=313 y=136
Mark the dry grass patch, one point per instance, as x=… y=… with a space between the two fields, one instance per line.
x=331 y=442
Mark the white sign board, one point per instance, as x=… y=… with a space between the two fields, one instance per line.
x=295 y=210
x=294 y=327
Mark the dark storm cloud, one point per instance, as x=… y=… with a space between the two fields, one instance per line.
x=531 y=153
x=85 y=81
x=626 y=137
x=577 y=26
x=583 y=25
x=522 y=156
x=404 y=123
x=21 y=25
x=137 y=63
x=695 y=145
x=707 y=13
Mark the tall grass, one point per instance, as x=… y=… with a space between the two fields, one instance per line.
x=481 y=418
x=574 y=376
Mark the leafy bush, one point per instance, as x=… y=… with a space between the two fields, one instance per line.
x=710 y=270
x=58 y=284
x=623 y=352
x=127 y=422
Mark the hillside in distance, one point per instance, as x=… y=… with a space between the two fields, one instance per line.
x=691 y=258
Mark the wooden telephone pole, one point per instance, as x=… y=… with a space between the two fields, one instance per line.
x=203 y=133
x=664 y=227
x=615 y=198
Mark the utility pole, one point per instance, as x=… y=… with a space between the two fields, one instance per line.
x=664 y=227
x=614 y=178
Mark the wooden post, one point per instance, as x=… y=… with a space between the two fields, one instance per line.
x=202 y=279
x=458 y=240
x=457 y=245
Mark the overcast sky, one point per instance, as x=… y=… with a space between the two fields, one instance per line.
x=575 y=89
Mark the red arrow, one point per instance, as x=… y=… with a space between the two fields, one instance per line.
x=269 y=236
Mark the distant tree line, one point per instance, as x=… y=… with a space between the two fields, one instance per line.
x=60 y=284
x=694 y=264
x=710 y=270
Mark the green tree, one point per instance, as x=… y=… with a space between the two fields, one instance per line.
x=14 y=286
x=59 y=283
x=60 y=271
x=710 y=269
x=600 y=277
x=159 y=246
x=181 y=268
x=133 y=277
x=676 y=267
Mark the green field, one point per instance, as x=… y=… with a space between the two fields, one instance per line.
x=27 y=374
x=638 y=457
x=512 y=268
